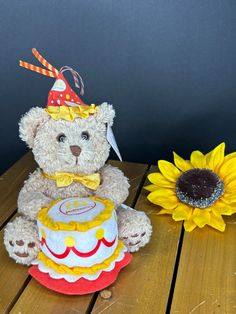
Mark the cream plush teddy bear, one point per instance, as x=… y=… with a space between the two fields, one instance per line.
x=74 y=146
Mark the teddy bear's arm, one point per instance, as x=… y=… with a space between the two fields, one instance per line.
x=32 y=196
x=115 y=185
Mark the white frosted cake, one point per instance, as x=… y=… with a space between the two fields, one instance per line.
x=79 y=239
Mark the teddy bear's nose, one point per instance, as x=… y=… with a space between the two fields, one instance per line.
x=76 y=150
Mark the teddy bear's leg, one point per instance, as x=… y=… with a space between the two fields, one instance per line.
x=21 y=240
x=134 y=228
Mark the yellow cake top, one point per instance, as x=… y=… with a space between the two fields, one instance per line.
x=73 y=225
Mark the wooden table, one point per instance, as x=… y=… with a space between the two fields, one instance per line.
x=177 y=272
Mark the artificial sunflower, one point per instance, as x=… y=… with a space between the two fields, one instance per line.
x=198 y=191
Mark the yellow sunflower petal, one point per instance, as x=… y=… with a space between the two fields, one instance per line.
x=222 y=208
x=182 y=212
x=201 y=217
x=159 y=180
x=189 y=225
x=197 y=159
x=164 y=198
x=230 y=186
x=215 y=158
x=227 y=171
x=168 y=170
x=151 y=187
x=229 y=156
x=165 y=211
x=217 y=222
x=229 y=178
x=219 y=206
x=229 y=198
x=182 y=164
x=227 y=210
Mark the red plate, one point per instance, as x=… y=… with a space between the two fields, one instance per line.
x=81 y=286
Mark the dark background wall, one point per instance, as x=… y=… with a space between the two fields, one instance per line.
x=168 y=67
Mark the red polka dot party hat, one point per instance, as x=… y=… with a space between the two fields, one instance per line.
x=63 y=102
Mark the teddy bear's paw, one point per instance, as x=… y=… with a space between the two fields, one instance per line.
x=21 y=240
x=134 y=228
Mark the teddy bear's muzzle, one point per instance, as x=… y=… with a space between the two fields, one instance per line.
x=76 y=150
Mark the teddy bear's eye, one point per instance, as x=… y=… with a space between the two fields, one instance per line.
x=85 y=135
x=61 y=137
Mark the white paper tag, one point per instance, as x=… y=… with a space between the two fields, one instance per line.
x=126 y=207
x=111 y=140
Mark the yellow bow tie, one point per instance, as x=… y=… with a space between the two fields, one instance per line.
x=63 y=179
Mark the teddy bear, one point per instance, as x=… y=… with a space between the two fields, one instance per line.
x=77 y=146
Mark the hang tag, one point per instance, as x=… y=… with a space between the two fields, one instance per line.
x=126 y=207
x=111 y=140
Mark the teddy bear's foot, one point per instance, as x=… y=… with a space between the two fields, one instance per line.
x=21 y=240
x=134 y=228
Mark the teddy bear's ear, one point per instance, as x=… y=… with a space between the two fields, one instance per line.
x=105 y=114
x=30 y=123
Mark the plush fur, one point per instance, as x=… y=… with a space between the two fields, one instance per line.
x=21 y=240
x=51 y=142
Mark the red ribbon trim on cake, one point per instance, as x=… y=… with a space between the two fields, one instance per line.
x=74 y=250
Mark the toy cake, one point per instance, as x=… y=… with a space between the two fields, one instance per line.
x=80 y=249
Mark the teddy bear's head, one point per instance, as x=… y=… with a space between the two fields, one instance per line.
x=63 y=146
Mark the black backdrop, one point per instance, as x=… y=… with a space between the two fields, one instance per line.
x=168 y=67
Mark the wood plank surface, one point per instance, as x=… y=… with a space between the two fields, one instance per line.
x=12 y=277
x=38 y=299
x=143 y=287
x=206 y=280
x=10 y=184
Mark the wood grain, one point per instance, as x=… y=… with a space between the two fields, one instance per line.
x=37 y=299
x=143 y=286
x=12 y=277
x=10 y=184
x=206 y=280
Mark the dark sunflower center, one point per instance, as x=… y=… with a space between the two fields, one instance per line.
x=199 y=187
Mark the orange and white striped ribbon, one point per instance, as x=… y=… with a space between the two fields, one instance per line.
x=51 y=71
x=43 y=61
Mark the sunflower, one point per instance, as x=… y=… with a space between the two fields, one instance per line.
x=197 y=191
